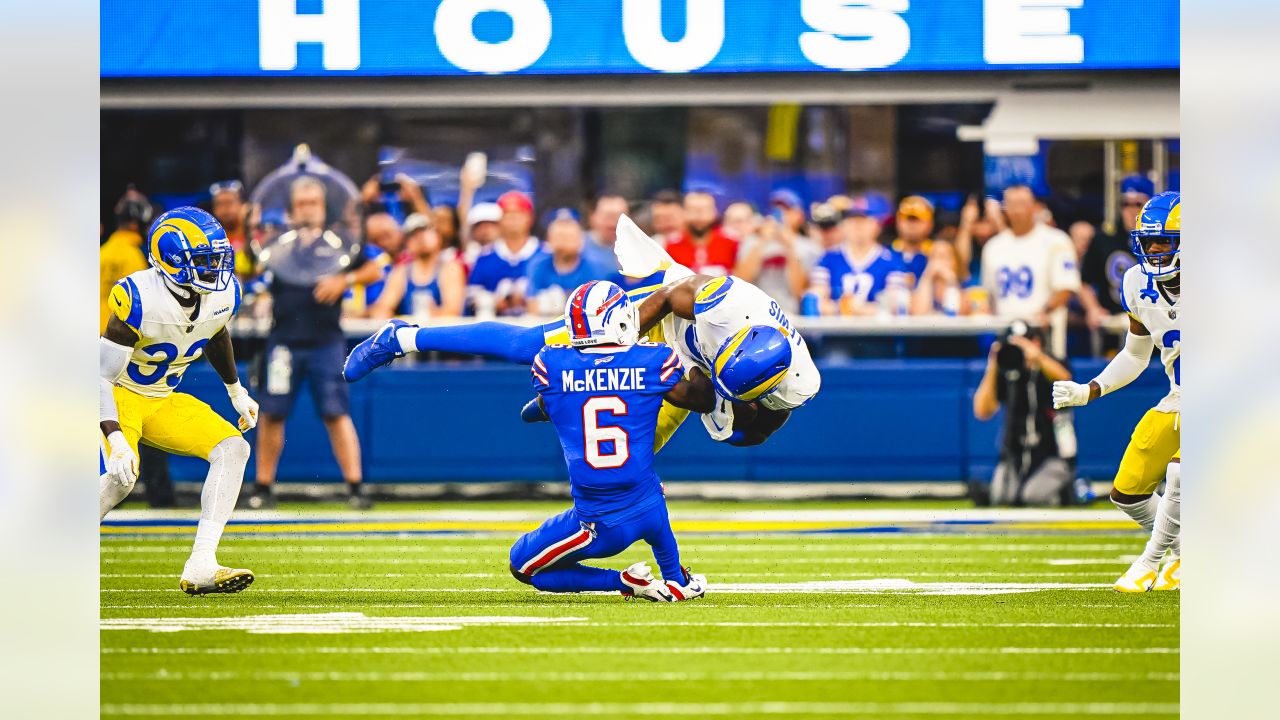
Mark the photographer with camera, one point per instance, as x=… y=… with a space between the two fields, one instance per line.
x=1037 y=445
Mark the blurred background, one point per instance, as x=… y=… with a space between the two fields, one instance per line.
x=853 y=159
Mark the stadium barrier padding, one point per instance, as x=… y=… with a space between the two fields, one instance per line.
x=874 y=420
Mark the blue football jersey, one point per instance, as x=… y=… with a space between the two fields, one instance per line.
x=864 y=281
x=604 y=404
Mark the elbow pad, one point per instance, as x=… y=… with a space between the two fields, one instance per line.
x=1128 y=364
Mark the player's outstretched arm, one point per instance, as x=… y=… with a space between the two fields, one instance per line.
x=114 y=349
x=1123 y=369
x=223 y=359
x=693 y=393
x=677 y=298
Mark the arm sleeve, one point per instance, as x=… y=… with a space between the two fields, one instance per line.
x=112 y=359
x=541 y=383
x=1127 y=365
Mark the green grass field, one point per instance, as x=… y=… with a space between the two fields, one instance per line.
x=899 y=611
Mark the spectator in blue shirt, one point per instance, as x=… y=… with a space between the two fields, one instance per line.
x=553 y=275
x=603 y=233
x=849 y=279
x=498 y=282
x=914 y=223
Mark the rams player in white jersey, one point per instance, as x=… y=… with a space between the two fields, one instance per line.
x=1151 y=291
x=163 y=319
x=755 y=367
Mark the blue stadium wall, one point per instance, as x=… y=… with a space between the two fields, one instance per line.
x=873 y=421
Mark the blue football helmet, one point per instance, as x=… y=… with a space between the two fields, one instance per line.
x=190 y=247
x=600 y=313
x=1159 y=222
x=752 y=363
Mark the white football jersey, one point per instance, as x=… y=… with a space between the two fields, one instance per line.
x=1158 y=312
x=1022 y=272
x=170 y=339
x=724 y=306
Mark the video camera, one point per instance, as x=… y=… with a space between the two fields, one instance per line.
x=1010 y=358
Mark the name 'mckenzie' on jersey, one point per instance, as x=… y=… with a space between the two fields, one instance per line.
x=169 y=338
x=604 y=403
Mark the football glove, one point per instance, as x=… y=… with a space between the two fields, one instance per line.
x=246 y=406
x=122 y=465
x=1069 y=394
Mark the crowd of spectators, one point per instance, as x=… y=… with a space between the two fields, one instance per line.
x=845 y=255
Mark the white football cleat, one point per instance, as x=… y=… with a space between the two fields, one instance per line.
x=695 y=587
x=223 y=580
x=1137 y=579
x=1170 y=575
x=639 y=578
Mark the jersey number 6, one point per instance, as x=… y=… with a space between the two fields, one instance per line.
x=594 y=433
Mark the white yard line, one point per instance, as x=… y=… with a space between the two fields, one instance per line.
x=609 y=650
x=636 y=676
x=644 y=708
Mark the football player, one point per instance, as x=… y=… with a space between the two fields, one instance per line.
x=754 y=366
x=163 y=319
x=1150 y=293
x=603 y=392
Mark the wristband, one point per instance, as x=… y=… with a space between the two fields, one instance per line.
x=116 y=441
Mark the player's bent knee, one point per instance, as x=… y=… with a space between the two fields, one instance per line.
x=522 y=577
x=234 y=449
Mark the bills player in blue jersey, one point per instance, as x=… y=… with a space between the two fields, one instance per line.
x=603 y=393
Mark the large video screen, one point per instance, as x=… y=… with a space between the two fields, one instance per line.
x=309 y=38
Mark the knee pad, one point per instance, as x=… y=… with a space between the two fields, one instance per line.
x=234 y=450
x=522 y=577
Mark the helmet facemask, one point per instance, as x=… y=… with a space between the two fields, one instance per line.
x=1161 y=264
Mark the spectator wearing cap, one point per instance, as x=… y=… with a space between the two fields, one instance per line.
x=779 y=258
x=1109 y=255
x=702 y=246
x=429 y=284
x=227 y=203
x=553 y=275
x=827 y=218
x=1030 y=269
x=122 y=253
x=597 y=247
x=480 y=230
x=501 y=272
x=914 y=223
x=849 y=279
x=666 y=211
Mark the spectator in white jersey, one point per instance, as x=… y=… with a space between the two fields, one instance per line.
x=1029 y=269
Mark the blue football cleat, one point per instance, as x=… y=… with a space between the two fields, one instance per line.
x=373 y=352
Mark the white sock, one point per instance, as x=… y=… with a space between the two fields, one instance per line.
x=1168 y=521
x=110 y=493
x=227 y=461
x=1143 y=512
x=408 y=338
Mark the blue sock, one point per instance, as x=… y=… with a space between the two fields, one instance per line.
x=578 y=578
x=492 y=339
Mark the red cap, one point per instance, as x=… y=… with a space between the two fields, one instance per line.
x=513 y=200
